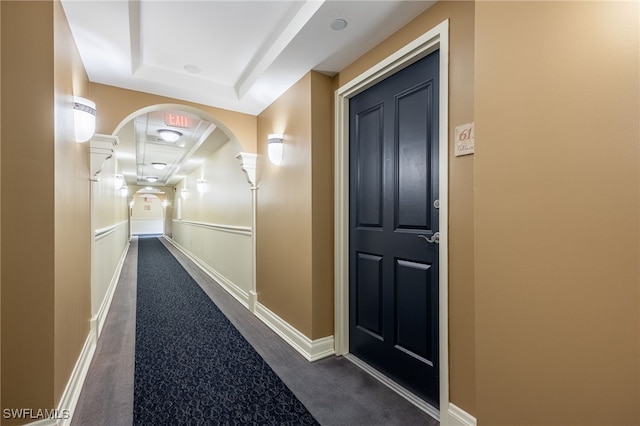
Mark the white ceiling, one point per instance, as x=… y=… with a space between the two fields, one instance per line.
x=237 y=55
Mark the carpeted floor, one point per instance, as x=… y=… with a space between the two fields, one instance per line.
x=334 y=390
x=192 y=366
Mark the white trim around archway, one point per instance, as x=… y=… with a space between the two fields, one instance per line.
x=434 y=39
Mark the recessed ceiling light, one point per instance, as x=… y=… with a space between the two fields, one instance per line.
x=152 y=178
x=338 y=24
x=158 y=165
x=169 y=135
x=193 y=69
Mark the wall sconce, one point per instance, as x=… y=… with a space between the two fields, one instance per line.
x=275 y=148
x=201 y=185
x=166 y=203
x=184 y=193
x=124 y=191
x=119 y=182
x=169 y=135
x=84 y=119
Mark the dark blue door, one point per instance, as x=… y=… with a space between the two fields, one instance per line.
x=393 y=289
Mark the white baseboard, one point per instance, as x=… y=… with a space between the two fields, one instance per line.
x=97 y=322
x=239 y=294
x=459 y=417
x=312 y=350
x=74 y=385
x=253 y=300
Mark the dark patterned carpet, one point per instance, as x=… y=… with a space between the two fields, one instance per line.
x=192 y=367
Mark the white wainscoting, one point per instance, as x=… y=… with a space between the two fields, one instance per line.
x=147 y=226
x=110 y=248
x=222 y=251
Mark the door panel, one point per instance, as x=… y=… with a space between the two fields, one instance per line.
x=413 y=158
x=412 y=308
x=393 y=290
x=369 y=172
x=369 y=303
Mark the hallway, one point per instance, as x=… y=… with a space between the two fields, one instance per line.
x=333 y=389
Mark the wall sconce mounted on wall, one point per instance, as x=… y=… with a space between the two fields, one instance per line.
x=84 y=119
x=119 y=182
x=201 y=185
x=124 y=191
x=166 y=203
x=184 y=193
x=169 y=135
x=275 y=148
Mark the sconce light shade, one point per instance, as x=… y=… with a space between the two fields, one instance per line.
x=166 y=203
x=275 y=148
x=201 y=185
x=124 y=191
x=119 y=182
x=169 y=135
x=84 y=119
x=184 y=193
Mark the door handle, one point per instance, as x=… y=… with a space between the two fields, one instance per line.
x=435 y=238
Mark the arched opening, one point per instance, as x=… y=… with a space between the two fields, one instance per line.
x=147 y=213
x=197 y=190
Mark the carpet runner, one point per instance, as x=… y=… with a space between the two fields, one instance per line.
x=192 y=366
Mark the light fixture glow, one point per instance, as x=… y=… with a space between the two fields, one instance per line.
x=166 y=203
x=275 y=148
x=184 y=193
x=124 y=191
x=119 y=182
x=84 y=119
x=201 y=185
x=158 y=165
x=152 y=179
x=169 y=135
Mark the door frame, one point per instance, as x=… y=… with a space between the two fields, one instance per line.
x=435 y=39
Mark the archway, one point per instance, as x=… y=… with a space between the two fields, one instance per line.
x=215 y=225
x=147 y=213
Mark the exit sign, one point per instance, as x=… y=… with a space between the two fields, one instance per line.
x=177 y=120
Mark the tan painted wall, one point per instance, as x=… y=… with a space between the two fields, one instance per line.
x=556 y=221
x=283 y=229
x=461 y=171
x=295 y=208
x=322 y=204
x=114 y=105
x=27 y=221
x=72 y=211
